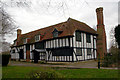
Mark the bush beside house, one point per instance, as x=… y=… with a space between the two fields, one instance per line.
x=111 y=59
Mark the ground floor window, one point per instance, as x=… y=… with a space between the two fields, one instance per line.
x=79 y=52
x=88 y=51
x=62 y=52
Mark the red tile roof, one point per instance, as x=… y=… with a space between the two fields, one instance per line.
x=68 y=28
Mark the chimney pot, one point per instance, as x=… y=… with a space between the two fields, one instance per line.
x=100 y=9
x=99 y=12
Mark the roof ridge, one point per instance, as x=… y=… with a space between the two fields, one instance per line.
x=45 y=27
x=81 y=22
x=77 y=21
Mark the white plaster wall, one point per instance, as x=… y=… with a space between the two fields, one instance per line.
x=24 y=52
x=54 y=43
x=15 y=55
x=31 y=48
x=67 y=42
x=71 y=42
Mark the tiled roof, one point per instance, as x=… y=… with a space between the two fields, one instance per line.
x=67 y=28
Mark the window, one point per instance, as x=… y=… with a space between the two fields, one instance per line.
x=25 y=40
x=88 y=51
x=78 y=36
x=88 y=38
x=55 y=34
x=37 y=37
x=27 y=47
x=79 y=52
x=39 y=45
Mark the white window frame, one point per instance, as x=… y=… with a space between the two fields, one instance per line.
x=36 y=38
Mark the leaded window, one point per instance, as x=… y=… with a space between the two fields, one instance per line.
x=37 y=37
x=27 y=47
x=55 y=33
x=78 y=36
x=88 y=38
x=89 y=52
x=79 y=52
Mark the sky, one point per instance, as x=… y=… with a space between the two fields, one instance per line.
x=43 y=13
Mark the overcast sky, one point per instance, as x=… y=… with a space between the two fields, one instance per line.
x=43 y=13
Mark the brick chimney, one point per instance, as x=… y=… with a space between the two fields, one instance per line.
x=101 y=38
x=19 y=31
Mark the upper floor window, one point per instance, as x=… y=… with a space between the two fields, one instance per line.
x=78 y=36
x=25 y=40
x=55 y=33
x=37 y=37
x=88 y=38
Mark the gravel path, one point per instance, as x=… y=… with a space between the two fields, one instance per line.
x=74 y=65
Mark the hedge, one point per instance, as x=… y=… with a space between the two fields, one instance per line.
x=5 y=58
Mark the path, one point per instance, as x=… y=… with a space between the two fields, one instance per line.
x=81 y=64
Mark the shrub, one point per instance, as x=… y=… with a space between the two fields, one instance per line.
x=45 y=75
x=5 y=58
x=109 y=60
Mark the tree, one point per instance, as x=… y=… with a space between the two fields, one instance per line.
x=117 y=35
x=7 y=26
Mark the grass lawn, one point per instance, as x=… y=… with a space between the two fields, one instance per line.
x=89 y=73
x=21 y=72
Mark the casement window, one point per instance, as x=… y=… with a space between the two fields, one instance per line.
x=39 y=45
x=78 y=36
x=88 y=38
x=55 y=33
x=79 y=52
x=89 y=52
x=27 y=47
x=37 y=38
x=25 y=40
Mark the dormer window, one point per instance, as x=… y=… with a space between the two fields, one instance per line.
x=55 y=33
x=25 y=40
x=37 y=38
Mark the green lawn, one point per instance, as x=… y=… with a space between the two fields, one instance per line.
x=89 y=73
x=21 y=72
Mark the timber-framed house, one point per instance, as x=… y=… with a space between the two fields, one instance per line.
x=68 y=41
